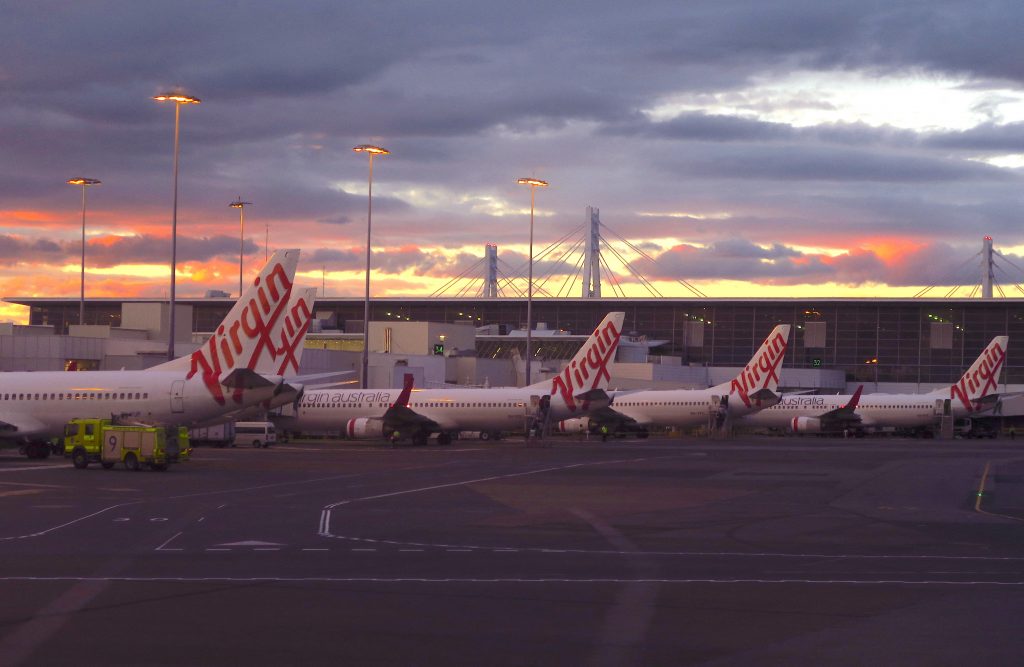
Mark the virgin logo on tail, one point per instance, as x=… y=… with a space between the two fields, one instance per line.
x=983 y=376
x=293 y=332
x=590 y=366
x=232 y=338
x=763 y=369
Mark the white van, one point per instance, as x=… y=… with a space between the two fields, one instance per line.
x=257 y=434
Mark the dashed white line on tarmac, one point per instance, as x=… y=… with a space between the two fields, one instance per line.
x=520 y=580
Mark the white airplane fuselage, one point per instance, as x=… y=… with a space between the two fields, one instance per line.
x=45 y=401
x=358 y=411
x=874 y=410
x=497 y=409
x=679 y=407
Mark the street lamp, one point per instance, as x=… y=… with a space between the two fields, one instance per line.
x=85 y=183
x=371 y=151
x=178 y=100
x=534 y=183
x=240 y=205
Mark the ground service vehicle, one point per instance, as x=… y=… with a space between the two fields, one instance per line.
x=218 y=435
x=256 y=434
x=98 y=440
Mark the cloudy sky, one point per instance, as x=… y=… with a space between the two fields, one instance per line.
x=746 y=147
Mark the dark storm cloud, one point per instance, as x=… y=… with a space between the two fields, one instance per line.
x=809 y=162
x=121 y=250
x=927 y=265
x=14 y=249
x=145 y=249
x=1008 y=138
x=391 y=260
x=470 y=96
x=976 y=38
x=699 y=126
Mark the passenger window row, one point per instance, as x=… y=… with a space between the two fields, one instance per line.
x=516 y=404
x=637 y=404
x=78 y=396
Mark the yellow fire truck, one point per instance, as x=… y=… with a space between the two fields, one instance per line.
x=98 y=440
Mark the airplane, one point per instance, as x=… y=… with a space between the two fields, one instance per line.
x=377 y=413
x=975 y=392
x=289 y=343
x=238 y=366
x=751 y=390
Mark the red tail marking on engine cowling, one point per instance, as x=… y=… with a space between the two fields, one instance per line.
x=980 y=378
x=206 y=359
x=574 y=377
x=764 y=368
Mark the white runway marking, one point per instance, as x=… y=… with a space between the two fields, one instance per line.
x=516 y=580
x=51 y=467
x=163 y=547
x=66 y=524
x=480 y=479
x=324 y=530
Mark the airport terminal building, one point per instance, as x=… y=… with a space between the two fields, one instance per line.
x=887 y=344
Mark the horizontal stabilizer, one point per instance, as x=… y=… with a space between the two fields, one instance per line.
x=766 y=396
x=595 y=398
x=246 y=378
x=990 y=399
x=289 y=387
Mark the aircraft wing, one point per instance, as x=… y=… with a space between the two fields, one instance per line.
x=613 y=419
x=400 y=417
x=607 y=416
x=14 y=424
x=993 y=403
x=843 y=416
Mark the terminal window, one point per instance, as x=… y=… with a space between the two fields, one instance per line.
x=693 y=334
x=941 y=336
x=814 y=334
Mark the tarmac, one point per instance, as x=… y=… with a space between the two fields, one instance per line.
x=667 y=551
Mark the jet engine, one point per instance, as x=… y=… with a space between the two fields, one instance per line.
x=365 y=428
x=577 y=425
x=805 y=425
